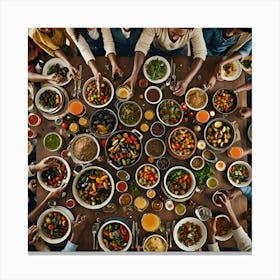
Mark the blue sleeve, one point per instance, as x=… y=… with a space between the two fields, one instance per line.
x=70 y=247
x=246 y=49
x=247 y=191
x=208 y=34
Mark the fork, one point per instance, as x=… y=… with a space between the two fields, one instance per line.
x=79 y=81
x=173 y=78
x=168 y=234
x=94 y=229
x=137 y=230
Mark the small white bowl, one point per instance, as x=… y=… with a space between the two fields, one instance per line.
x=226 y=236
x=60 y=139
x=220 y=165
x=153 y=247
x=197 y=158
x=153 y=88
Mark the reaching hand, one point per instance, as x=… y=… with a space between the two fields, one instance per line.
x=116 y=69
x=75 y=72
x=234 y=192
x=32 y=231
x=44 y=164
x=78 y=227
x=212 y=229
x=55 y=77
x=225 y=202
x=211 y=82
x=130 y=82
x=181 y=87
x=244 y=112
x=57 y=193
x=32 y=185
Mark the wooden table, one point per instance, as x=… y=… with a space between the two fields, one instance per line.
x=204 y=198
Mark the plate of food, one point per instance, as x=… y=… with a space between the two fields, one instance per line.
x=224 y=230
x=93 y=187
x=155 y=243
x=156 y=69
x=58 y=66
x=196 y=99
x=54 y=226
x=225 y=101
x=49 y=99
x=231 y=71
x=239 y=173
x=130 y=113
x=95 y=98
x=249 y=132
x=246 y=64
x=54 y=177
x=190 y=234
x=147 y=176
x=114 y=236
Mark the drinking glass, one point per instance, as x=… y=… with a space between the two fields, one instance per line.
x=203 y=213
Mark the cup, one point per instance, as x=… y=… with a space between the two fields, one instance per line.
x=140 y=203
x=70 y=203
x=83 y=121
x=235 y=152
x=150 y=222
x=125 y=199
x=180 y=209
x=151 y=193
x=123 y=93
x=157 y=205
x=149 y=115
x=58 y=121
x=202 y=116
x=31 y=133
x=144 y=127
x=200 y=188
x=212 y=182
x=77 y=108
x=123 y=175
x=203 y=213
x=73 y=127
x=121 y=186
x=34 y=119
x=169 y=205
x=52 y=203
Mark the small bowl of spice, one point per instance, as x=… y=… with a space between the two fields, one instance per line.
x=157 y=129
x=197 y=163
x=153 y=95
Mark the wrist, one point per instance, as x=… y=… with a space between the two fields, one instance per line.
x=74 y=239
x=33 y=168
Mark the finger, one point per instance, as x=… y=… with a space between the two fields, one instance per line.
x=78 y=217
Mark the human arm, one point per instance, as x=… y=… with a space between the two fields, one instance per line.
x=244 y=112
x=44 y=164
x=244 y=87
x=37 y=78
x=211 y=232
x=35 y=240
x=33 y=215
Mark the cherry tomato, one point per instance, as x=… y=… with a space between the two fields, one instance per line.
x=185 y=106
x=185 y=119
x=191 y=114
x=120 y=126
x=65 y=125
x=103 y=143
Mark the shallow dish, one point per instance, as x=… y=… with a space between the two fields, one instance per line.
x=224 y=230
x=156 y=69
x=246 y=64
x=57 y=65
x=153 y=95
x=239 y=174
x=196 y=99
x=111 y=230
x=95 y=99
x=54 y=177
x=54 y=226
x=93 y=187
x=193 y=226
x=209 y=156
x=155 y=243
x=155 y=148
x=147 y=176
x=231 y=71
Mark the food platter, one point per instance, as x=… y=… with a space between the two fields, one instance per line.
x=57 y=61
x=156 y=69
x=239 y=173
x=231 y=71
x=199 y=230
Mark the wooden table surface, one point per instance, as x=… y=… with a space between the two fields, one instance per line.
x=204 y=198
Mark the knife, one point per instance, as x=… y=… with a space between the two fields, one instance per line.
x=79 y=81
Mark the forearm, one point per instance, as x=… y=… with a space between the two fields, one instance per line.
x=245 y=87
x=33 y=215
x=35 y=77
x=231 y=58
x=113 y=59
x=60 y=54
x=233 y=220
x=139 y=58
x=195 y=66
x=93 y=67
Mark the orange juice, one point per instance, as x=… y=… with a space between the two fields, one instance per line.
x=150 y=222
x=83 y=121
x=149 y=115
x=151 y=193
x=202 y=116
x=123 y=93
x=144 y=127
x=235 y=152
x=76 y=107
x=140 y=203
x=74 y=127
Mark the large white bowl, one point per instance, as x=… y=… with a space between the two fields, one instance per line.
x=100 y=238
x=80 y=200
x=39 y=174
x=52 y=110
x=168 y=70
x=53 y=61
x=155 y=236
x=226 y=236
x=202 y=94
x=196 y=246
x=91 y=104
x=243 y=184
x=138 y=170
x=192 y=187
x=234 y=75
x=40 y=222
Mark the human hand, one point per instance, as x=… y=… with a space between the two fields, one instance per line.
x=244 y=112
x=234 y=192
x=180 y=88
x=211 y=82
x=55 y=77
x=116 y=70
x=32 y=185
x=78 y=226
x=130 y=82
x=44 y=164
x=57 y=193
x=212 y=229
x=225 y=202
x=75 y=72
x=32 y=231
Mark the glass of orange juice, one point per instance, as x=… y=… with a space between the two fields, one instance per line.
x=140 y=203
x=150 y=222
x=235 y=152
x=83 y=121
x=76 y=108
x=202 y=116
x=123 y=93
x=74 y=127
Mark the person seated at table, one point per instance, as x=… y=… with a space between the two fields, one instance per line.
x=242 y=239
x=231 y=43
x=36 y=243
x=34 y=55
x=125 y=40
x=53 y=42
x=170 y=41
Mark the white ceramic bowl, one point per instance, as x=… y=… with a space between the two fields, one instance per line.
x=90 y=80
x=200 y=242
x=196 y=94
x=197 y=158
x=227 y=235
x=159 y=142
x=141 y=167
x=235 y=74
x=153 y=88
x=66 y=180
x=60 y=139
x=168 y=69
x=159 y=244
x=100 y=236
x=189 y=191
x=41 y=221
x=234 y=182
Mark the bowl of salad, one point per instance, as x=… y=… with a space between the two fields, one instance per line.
x=54 y=177
x=225 y=101
x=130 y=113
x=239 y=173
x=169 y=112
x=54 y=226
x=179 y=182
x=181 y=142
x=93 y=187
x=246 y=64
x=95 y=98
x=114 y=236
x=147 y=176
x=156 y=69
x=190 y=234
x=49 y=99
